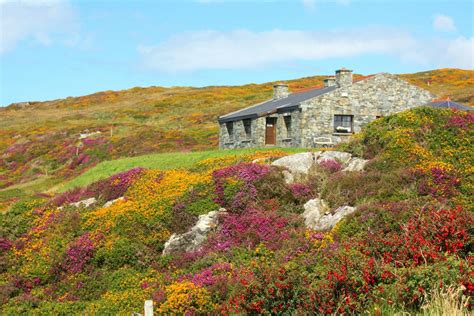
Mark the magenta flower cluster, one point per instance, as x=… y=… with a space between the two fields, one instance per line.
x=440 y=184
x=301 y=191
x=462 y=120
x=79 y=253
x=212 y=275
x=249 y=229
x=331 y=165
x=247 y=174
x=107 y=189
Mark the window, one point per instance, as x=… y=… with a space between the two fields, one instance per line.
x=343 y=123
x=230 y=129
x=288 y=125
x=248 y=128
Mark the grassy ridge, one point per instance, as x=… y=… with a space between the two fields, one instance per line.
x=40 y=140
x=161 y=161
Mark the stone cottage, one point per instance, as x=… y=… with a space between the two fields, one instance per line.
x=322 y=116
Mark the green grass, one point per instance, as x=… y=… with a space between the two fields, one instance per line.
x=163 y=161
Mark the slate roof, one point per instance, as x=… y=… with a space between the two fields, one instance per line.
x=450 y=104
x=291 y=101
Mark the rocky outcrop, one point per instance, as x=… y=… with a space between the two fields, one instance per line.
x=110 y=203
x=314 y=209
x=355 y=164
x=340 y=156
x=317 y=216
x=298 y=166
x=193 y=239
x=83 y=203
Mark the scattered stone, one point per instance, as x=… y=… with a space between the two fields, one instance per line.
x=341 y=156
x=315 y=220
x=193 y=239
x=83 y=203
x=87 y=134
x=313 y=210
x=327 y=222
x=356 y=164
x=298 y=163
x=289 y=178
x=109 y=203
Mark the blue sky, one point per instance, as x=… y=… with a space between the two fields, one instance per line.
x=54 y=49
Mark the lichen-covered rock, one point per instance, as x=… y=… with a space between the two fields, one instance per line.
x=298 y=163
x=355 y=164
x=317 y=216
x=328 y=221
x=83 y=203
x=341 y=156
x=314 y=209
x=193 y=239
x=109 y=203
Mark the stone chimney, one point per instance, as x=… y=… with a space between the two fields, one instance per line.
x=280 y=90
x=343 y=77
x=329 y=82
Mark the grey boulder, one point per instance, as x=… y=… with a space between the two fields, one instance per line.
x=193 y=239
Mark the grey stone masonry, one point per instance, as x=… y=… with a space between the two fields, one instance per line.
x=363 y=102
x=288 y=131
x=327 y=118
x=280 y=90
x=343 y=77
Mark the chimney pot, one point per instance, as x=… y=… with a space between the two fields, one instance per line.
x=329 y=82
x=280 y=90
x=343 y=77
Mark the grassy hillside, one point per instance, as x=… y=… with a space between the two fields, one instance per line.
x=456 y=84
x=41 y=145
x=407 y=249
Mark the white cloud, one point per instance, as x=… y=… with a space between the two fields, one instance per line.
x=443 y=23
x=242 y=49
x=457 y=53
x=40 y=21
x=246 y=49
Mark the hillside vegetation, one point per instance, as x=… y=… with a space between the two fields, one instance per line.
x=407 y=248
x=41 y=145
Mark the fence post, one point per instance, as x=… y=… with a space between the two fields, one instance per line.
x=148 y=308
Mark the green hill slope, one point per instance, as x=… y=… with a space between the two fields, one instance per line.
x=407 y=248
x=41 y=144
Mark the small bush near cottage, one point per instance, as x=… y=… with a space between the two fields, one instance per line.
x=407 y=248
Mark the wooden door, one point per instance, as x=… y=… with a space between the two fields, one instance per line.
x=270 y=128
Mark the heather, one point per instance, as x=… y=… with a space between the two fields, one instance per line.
x=408 y=242
x=46 y=144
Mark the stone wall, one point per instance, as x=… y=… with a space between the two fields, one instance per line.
x=257 y=137
x=380 y=95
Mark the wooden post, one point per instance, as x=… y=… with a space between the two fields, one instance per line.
x=148 y=308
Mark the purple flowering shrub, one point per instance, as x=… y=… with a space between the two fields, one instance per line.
x=80 y=251
x=301 y=191
x=249 y=229
x=107 y=189
x=461 y=119
x=235 y=185
x=438 y=183
x=331 y=165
